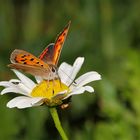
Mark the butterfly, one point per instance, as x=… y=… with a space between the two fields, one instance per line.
x=45 y=65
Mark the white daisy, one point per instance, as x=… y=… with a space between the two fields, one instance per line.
x=50 y=92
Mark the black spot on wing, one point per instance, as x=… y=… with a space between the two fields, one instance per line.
x=22 y=60
x=23 y=56
x=16 y=59
x=59 y=39
x=32 y=59
x=64 y=34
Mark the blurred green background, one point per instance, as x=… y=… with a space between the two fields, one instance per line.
x=107 y=34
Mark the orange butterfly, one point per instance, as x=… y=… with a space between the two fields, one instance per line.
x=44 y=66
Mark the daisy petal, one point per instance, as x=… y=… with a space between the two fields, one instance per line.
x=24 y=89
x=17 y=84
x=68 y=73
x=29 y=103
x=37 y=101
x=14 y=81
x=87 y=78
x=59 y=95
x=12 y=103
x=24 y=79
x=12 y=89
x=38 y=79
x=5 y=84
x=76 y=67
x=64 y=72
x=23 y=102
x=89 y=88
x=76 y=91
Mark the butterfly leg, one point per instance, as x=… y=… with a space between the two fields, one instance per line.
x=48 y=82
x=59 y=81
x=53 y=86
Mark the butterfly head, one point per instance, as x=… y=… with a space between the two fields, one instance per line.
x=53 y=73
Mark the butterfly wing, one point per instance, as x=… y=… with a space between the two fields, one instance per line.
x=52 y=53
x=36 y=71
x=27 y=62
x=47 y=54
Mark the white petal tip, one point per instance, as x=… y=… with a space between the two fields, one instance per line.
x=79 y=61
x=4 y=91
x=22 y=102
x=9 y=105
x=14 y=70
x=89 y=89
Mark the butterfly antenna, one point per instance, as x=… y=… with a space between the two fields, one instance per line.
x=72 y=80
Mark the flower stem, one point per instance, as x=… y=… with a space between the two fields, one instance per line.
x=57 y=122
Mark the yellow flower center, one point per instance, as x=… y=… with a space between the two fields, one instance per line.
x=49 y=89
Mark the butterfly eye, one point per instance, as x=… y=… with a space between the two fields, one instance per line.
x=53 y=69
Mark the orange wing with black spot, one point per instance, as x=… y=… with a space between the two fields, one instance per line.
x=27 y=62
x=23 y=57
x=51 y=54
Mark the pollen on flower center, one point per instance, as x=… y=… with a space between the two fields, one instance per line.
x=49 y=89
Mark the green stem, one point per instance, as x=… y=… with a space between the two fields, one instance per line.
x=57 y=122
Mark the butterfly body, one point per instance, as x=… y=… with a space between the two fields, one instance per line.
x=45 y=65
